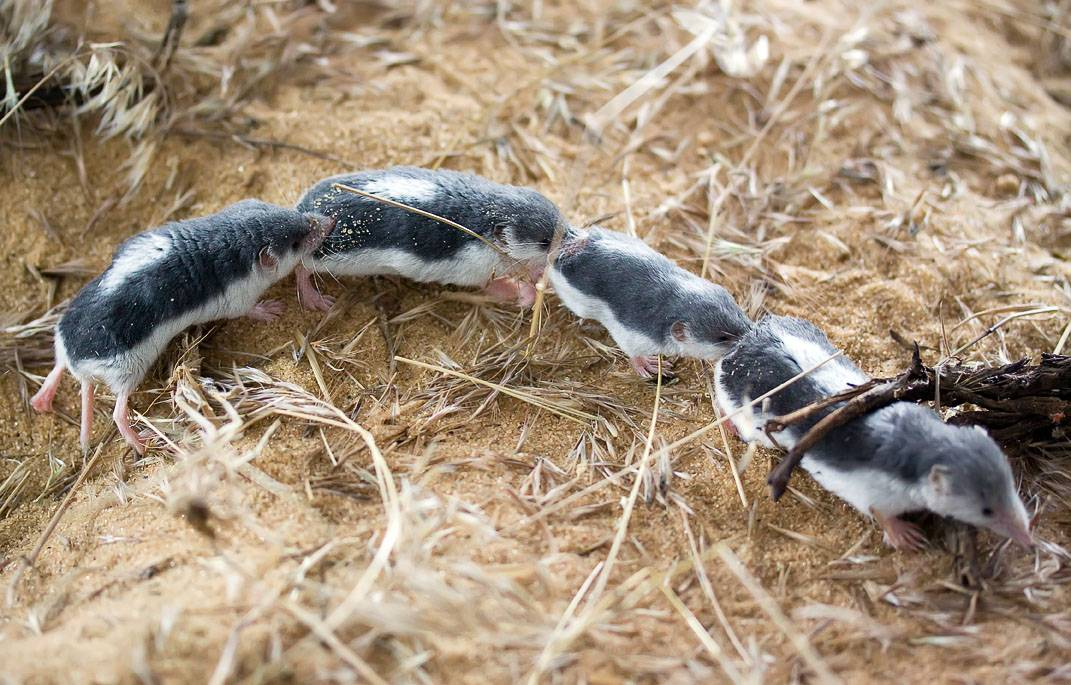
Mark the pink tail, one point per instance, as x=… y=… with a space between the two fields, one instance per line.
x=86 y=434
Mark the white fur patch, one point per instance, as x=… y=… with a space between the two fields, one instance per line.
x=865 y=489
x=142 y=252
x=833 y=377
x=633 y=343
x=748 y=422
x=624 y=244
x=402 y=188
x=473 y=266
x=745 y=420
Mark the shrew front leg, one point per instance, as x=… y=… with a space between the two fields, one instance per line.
x=266 y=310
x=900 y=534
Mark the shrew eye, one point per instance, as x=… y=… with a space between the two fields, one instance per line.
x=296 y=244
x=986 y=511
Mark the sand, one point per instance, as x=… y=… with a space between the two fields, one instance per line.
x=128 y=587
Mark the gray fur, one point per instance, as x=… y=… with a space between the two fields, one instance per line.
x=206 y=255
x=904 y=440
x=520 y=220
x=647 y=292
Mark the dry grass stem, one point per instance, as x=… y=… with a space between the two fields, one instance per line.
x=426 y=486
x=771 y=609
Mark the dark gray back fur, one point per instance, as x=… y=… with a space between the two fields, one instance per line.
x=646 y=290
x=482 y=206
x=902 y=439
x=207 y=255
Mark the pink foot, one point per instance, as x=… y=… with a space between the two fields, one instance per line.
x=507 y=290
x=309 y=295
x=647 y=367
x=526 y=295
x=267 y=310
x=900 y=534
x=122 y=422
x=146 y=436
x=42 y=401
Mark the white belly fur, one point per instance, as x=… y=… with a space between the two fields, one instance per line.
x=866 y=488
x=474 y=266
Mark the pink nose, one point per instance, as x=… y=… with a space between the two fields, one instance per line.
x=1023 y=537
x=1015 y=528
x=316 y=237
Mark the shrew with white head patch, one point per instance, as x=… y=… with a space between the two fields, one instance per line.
x=649 y=305
x=374 y=238
x=898 y=459
x=165 y=280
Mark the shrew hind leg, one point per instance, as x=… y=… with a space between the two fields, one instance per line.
x=121 y=416
x=42 y=401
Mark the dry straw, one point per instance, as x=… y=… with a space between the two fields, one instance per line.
x=351 y=519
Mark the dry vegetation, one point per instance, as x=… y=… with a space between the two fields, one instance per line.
x=412 y=488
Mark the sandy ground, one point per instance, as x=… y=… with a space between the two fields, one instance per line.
x=128 y=588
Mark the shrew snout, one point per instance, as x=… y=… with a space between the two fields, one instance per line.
x=322 y=227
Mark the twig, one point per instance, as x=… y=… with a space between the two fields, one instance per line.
x=630 y=504
x=1019 y=388
x=620 y=102
x=615 y=477
x=305 y=344
x=704 y=637
x=325 y=633
x=725 y=443
x=866 y=400
x=576 y=415
x=593 y=605
x=708 y=589
x=780 y=423
x=782 y=107
x=711 y=426
x=1063 y=339
x=35 y=88
x=544 y=278
x=998 y=325
x=172 y=35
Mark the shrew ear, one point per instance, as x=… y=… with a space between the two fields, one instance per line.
x=680 y=331
x=266 y=259
x=939 y=479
